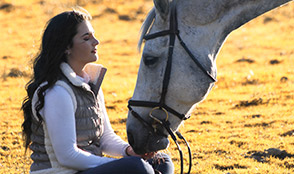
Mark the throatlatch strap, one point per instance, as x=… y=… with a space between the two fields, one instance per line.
x=195 y=60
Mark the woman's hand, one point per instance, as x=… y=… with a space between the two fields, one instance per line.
x=149 y=155
x=131 y=152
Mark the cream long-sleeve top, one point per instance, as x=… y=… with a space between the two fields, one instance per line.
x=59 y=116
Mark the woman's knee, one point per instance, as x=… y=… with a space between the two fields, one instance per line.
x=163 y=163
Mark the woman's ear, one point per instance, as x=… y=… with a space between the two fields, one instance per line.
x=162 y=6
x=67 y=51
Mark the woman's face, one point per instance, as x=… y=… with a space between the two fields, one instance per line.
x=84 y=49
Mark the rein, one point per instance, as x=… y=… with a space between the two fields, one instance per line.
x=173 y=33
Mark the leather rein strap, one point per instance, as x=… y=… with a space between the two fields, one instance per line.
x=173 y=33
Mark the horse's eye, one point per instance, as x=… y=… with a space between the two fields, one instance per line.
x=149 y=60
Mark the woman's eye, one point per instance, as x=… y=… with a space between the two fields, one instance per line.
x=86 y=39
x=149 y=60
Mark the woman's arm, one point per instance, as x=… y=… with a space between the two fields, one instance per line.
x=111 y=143
x=58 y=113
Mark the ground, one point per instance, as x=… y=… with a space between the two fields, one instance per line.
x=245 y=125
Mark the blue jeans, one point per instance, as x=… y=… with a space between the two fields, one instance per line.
x=134 y=165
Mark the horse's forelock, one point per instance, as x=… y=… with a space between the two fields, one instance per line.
x=146 y=26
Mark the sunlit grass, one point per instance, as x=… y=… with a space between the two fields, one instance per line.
x=222 y=131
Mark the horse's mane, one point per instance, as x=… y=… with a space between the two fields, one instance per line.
x=146 y=26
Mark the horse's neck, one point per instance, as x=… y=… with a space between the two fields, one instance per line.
x=210 y=22
x=240 y=12
x=231 y=13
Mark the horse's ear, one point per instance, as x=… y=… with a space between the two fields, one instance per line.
x=162 y=6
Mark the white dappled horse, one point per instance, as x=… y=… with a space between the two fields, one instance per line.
x=172 y=78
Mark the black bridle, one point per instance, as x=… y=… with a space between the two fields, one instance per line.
x=173 y=33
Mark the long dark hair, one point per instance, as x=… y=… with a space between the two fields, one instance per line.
x=57 y=38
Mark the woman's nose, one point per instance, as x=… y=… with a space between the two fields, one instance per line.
x=96 y=42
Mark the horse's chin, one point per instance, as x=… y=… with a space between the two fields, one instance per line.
x=157 y=143
x=151 y=144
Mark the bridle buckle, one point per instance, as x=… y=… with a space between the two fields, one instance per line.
x=157 y=119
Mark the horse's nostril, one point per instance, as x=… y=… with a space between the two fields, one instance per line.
x=131 y=139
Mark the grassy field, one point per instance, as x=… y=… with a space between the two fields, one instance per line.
x=249 y=111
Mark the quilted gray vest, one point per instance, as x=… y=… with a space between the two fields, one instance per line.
x=89 y=127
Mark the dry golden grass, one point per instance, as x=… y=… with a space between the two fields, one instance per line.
x=248 y=110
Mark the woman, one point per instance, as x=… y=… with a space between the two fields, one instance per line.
x=65 y=121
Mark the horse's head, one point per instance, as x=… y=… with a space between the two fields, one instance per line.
x=160 y=94
x=177 y=69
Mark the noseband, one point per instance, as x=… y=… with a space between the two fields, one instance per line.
x=173 y=33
